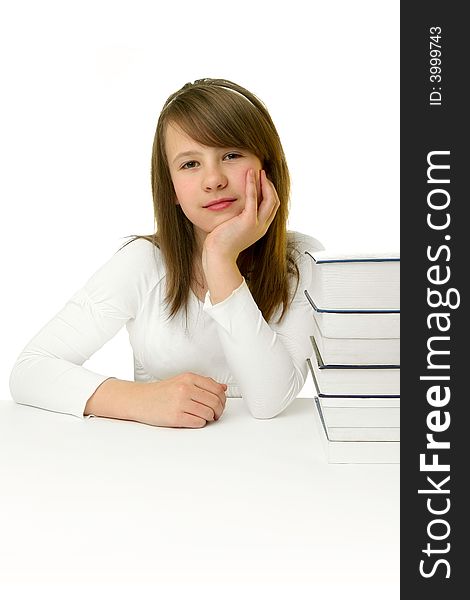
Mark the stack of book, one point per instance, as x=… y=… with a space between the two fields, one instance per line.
x=355 y=362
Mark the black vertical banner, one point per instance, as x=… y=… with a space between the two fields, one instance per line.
x=435 y=254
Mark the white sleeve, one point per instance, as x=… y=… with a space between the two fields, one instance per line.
x=48 y=373
x=268 y=362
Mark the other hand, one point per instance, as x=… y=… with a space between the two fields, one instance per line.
x=186 y=400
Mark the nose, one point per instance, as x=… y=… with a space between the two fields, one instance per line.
x=214 y=179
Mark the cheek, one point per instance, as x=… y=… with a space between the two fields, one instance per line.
x=182 y=190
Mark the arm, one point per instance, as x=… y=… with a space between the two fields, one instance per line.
x=49 y=372
x=187 y=400
x=223 y=277
x=117 y=399
x=267 y=361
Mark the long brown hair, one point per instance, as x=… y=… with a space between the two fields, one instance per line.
x=220 y=113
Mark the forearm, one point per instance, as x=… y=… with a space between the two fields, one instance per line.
x=185 y=400
x=222 y=275
x=269 y=368
x=265 y=371
x=119 y=399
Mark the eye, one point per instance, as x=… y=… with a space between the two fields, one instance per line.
x=190 y=162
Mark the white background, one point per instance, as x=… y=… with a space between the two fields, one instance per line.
x=82 y=87
x=83 y=84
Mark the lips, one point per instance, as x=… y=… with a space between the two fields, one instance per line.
x=219 y=200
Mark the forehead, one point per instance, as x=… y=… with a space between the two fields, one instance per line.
x=175 y=136
x=176 y=140
x=178 y=144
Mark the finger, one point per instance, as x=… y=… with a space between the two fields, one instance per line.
x=273 y=212
x=222 y=396
x=251 y=195
x=188 y=420
x=198 y=409
x=268 y=194
x=207 y=383
x=259 y=195
x=214 y=402
x=270 y=199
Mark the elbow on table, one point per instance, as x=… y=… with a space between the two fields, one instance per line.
x=266 y=408
x=261 y=415
x=264 y=411
x=14 y=383
x=22 y=382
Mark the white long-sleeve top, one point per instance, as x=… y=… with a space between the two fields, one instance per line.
x=263 y=363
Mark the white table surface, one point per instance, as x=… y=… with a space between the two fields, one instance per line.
x=241 y=506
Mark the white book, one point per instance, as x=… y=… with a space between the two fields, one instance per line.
x=359 y=401
x=355 y=380
x=355 y=452
x=353 y=416
x=367 y=281
x=356 y=323
x=356 y=351
x=364 y=434
x=345 y=429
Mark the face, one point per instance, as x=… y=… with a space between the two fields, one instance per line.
x=205 y=174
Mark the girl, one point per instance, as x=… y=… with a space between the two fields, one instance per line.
x=221 y=253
